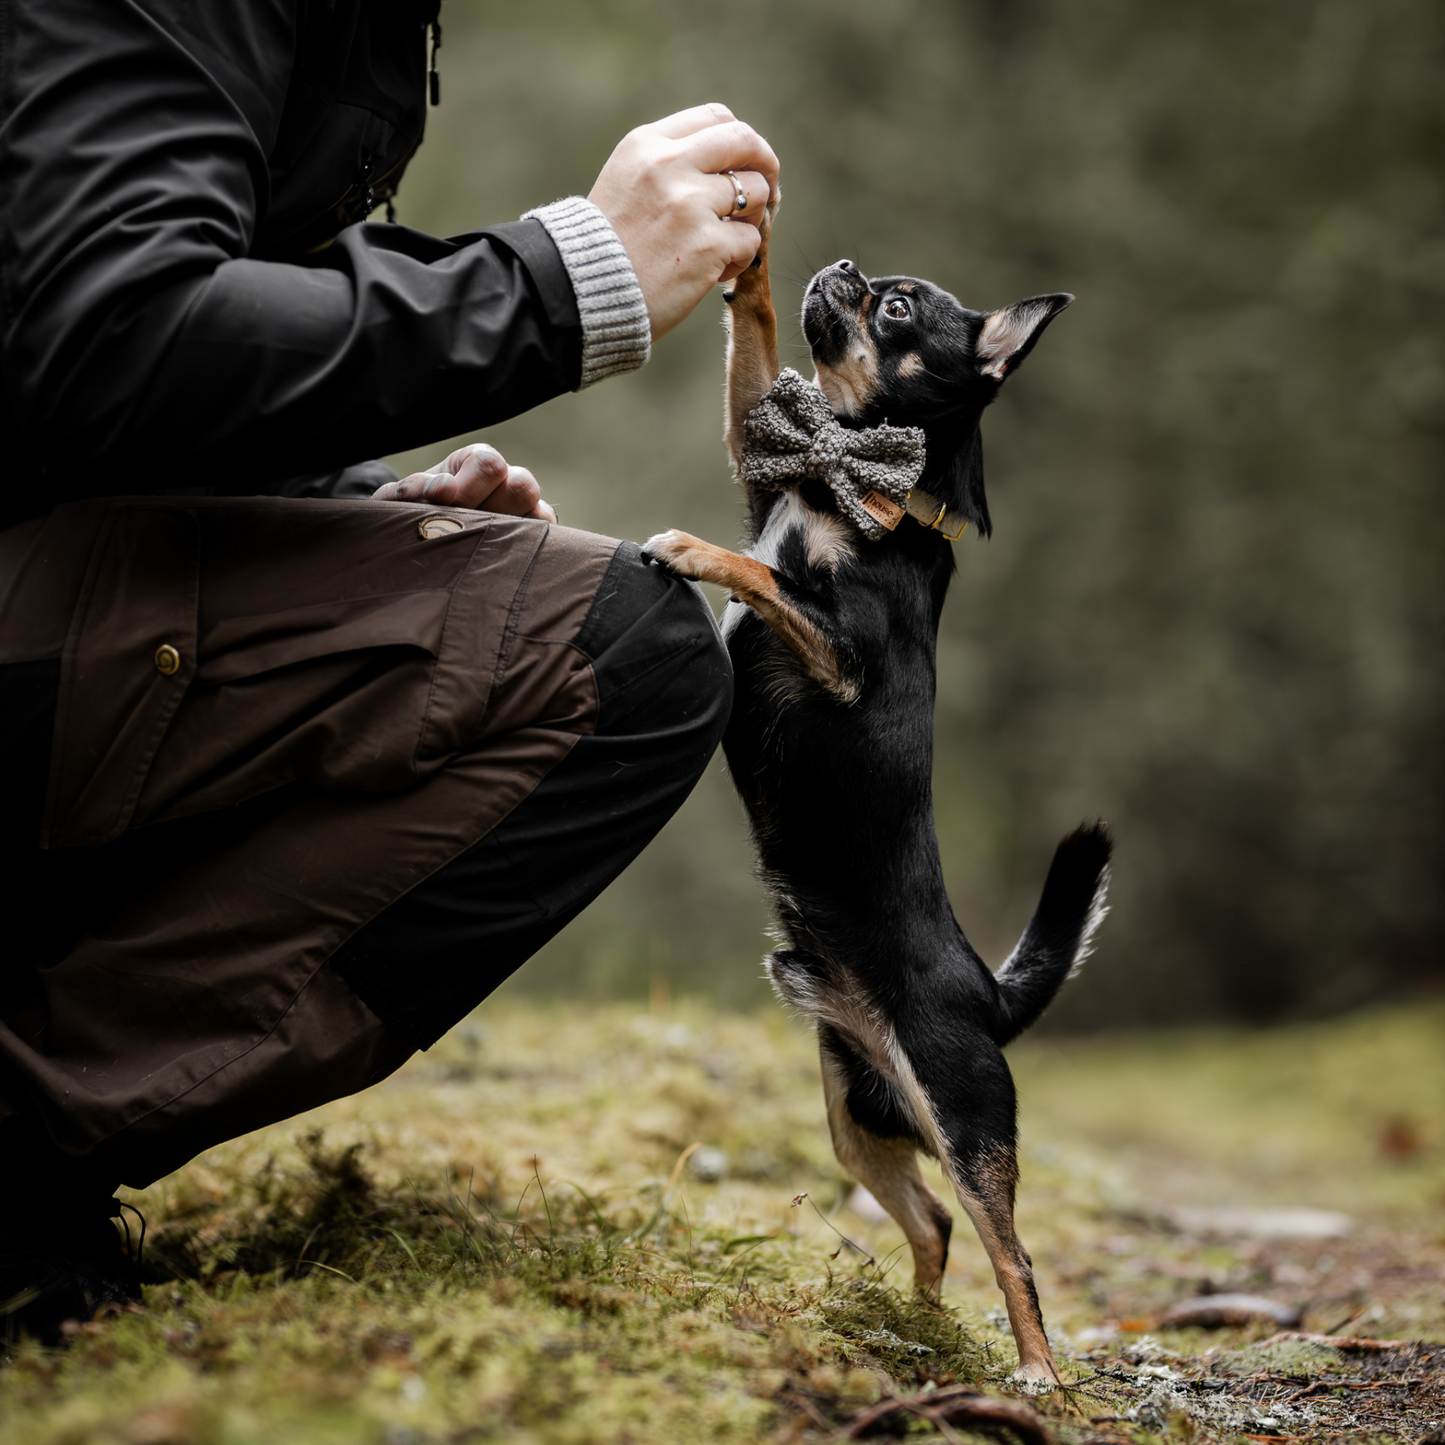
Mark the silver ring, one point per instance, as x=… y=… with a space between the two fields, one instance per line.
x=740 y=196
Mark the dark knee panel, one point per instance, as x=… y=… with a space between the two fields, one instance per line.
x=656 y=650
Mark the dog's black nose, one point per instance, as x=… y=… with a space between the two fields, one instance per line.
x=848 y=268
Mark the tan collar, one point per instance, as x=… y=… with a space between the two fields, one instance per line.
x=926 y=510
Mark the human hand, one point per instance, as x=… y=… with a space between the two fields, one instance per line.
x=677 y=215
x=475 y=476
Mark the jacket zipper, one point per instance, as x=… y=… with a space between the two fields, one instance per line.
x=370 y=191
x=433 y=75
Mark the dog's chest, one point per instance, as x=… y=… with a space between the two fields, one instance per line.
x=797 y=538
x=808 y=547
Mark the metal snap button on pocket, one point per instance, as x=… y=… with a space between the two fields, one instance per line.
x=432 y=527
x=168 y=660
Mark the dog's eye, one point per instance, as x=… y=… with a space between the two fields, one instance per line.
x=897 y=309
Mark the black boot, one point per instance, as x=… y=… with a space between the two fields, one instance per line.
x=63 y=1263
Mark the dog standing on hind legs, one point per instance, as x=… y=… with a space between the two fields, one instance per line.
x=832 y=631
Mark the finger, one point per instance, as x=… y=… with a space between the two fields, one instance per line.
x=443 y=490
x=522 y=499
x=754 y=186
x=408 y=489
x=478 y=471
x=737 y=245
x=688 y=122
x=518 y=496
x=480 y=459
x=516 y=492
x=516 y=502
x=734 y=146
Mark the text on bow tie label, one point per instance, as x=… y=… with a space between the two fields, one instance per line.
x=885 y=513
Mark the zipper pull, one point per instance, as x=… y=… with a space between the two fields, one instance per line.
x=433 y=78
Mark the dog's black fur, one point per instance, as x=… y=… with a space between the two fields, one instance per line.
x=830 y=744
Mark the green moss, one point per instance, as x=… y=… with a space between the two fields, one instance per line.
x=1286 y=1357
x=505 y=1242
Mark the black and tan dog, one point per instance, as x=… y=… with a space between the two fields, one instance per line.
x=833 y=642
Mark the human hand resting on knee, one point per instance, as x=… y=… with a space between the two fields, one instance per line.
x=677 y=215
x=474 y=476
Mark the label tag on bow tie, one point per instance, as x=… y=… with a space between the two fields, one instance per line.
x=886 y=513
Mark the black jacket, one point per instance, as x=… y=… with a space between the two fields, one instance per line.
x=175 y=312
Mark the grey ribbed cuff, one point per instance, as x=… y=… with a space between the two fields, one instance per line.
x=616 y=329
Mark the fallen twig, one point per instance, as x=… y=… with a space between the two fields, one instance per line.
x=846 y=1242
x=800 y=1401
x=1218 y=1310
x=954 y=1406
x=1349 y=1343
x=1124 y=1377
x=1349 y=1319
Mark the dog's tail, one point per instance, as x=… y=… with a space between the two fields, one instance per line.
x=1061 y=932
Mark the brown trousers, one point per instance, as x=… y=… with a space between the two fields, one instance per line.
x=273 y=720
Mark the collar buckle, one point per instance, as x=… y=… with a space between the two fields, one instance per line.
x=934 y=525
x=920 y=508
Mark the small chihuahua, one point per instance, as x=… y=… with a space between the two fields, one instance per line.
x=833 y=639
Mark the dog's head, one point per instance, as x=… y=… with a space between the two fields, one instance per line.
x=905 y=351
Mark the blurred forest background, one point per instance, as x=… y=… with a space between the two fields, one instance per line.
x=1211 y=611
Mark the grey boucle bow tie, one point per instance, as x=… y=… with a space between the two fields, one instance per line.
x=792 y=434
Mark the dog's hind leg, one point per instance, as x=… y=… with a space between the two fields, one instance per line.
x=965 y=1093
x=985 y=1185
x=888 y=1169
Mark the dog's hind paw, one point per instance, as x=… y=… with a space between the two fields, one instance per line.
x=1034 y=1380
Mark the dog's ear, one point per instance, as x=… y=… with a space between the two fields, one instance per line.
x=1008 y=335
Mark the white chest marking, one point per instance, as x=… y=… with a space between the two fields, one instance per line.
x=827 y=539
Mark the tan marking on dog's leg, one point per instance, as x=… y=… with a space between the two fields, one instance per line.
x=990 y=1205
x=752 y=355
x=756 y=585
x=888 y=1169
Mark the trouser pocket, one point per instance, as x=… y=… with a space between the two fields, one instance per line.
x=129 y=656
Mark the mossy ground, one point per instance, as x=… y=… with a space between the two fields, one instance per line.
x=503 y=1242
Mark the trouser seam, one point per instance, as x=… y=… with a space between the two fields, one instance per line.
x=431 y=690
x=514 y=616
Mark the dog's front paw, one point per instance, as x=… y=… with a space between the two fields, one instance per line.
x=677 y=551
x=765 y=231
x=755 y=278
x=769 y=216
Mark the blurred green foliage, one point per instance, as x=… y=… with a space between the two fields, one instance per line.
x=1211 y=611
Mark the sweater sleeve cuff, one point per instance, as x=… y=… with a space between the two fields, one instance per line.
x=616 y=329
